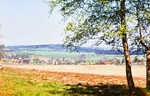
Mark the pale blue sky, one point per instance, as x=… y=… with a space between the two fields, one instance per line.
x=27 y=22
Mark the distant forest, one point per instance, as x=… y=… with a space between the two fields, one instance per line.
x=60 y=47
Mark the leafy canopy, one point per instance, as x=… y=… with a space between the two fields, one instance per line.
x=99 y=20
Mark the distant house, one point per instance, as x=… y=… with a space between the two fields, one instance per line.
x=20 y=60
x=26 y=61
x=106 y=62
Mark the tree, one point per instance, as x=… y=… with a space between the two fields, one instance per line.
x=143 y=24
x=136 y=60
x=141 y=34
x=36 y=60
x=98 y=20
x=1 y=51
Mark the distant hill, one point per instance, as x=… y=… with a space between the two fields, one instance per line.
x=60 y=47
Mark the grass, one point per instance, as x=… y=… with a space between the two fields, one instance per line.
x=68 y=55
x=22 y=84
x=71 y=55
x=18 y=82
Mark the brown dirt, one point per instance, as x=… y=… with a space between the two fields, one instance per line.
x=137 y=71
x=80 y=75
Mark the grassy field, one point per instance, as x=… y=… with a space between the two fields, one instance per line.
x=21 y=82
x=14 y=83
x=69 y=55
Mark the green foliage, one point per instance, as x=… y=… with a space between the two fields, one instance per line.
x=1 y=50
x=123 y=61
x=118 y=62
x=110 y=15
x=94 y=19
x=99 y=20
x=23 y=55
x=141 y=24
x=136 y=59
x=36 y=60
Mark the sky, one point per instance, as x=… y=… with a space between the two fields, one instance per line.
x=28 y=22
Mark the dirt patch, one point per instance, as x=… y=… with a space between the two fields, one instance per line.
x=72 y=78
x=137 y=71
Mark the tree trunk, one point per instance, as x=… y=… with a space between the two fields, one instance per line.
x=147 y=50
x=148 y=68
x=128 y=68
x=126 y=49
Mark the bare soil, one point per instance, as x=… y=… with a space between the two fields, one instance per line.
x=82 y=74
x=137 y=71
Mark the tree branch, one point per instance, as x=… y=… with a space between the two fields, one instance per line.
x=140 y=30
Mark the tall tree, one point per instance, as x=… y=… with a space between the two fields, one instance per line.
x=143 y=24
x=125 y=47
x=141 y=34
x=98 y=20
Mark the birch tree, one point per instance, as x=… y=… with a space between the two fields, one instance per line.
x=103 y=21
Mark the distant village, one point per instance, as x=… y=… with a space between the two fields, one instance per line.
x=27 y=58
x=79 y=60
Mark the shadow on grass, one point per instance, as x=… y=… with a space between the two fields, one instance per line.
x=99 y=90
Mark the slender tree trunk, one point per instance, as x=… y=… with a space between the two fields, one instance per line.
x=128 y=67
x=147 y=50
x=126 y=49
x=148 y=69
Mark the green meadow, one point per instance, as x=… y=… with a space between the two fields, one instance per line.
x=14 y=83
x=68 y=55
